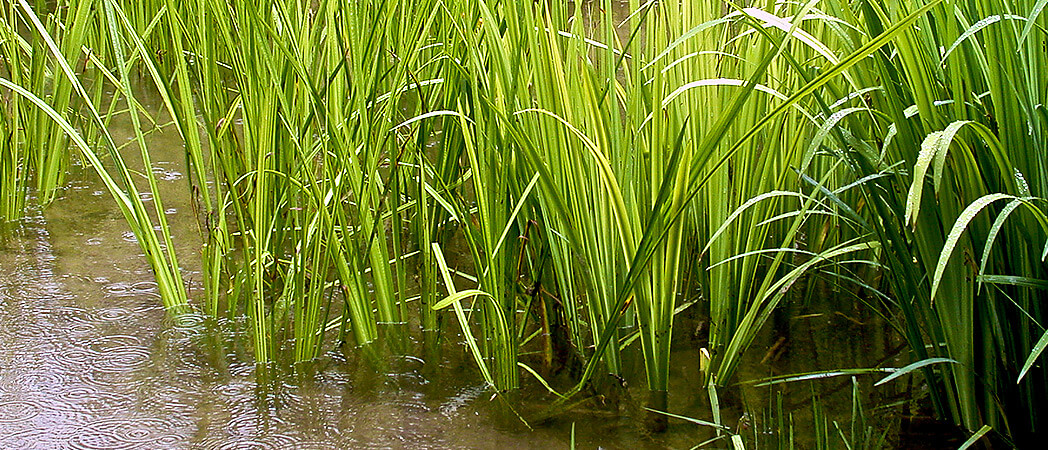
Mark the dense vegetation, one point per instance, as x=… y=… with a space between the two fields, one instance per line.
x=601 y=171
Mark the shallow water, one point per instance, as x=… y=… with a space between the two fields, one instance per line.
x=91 y=362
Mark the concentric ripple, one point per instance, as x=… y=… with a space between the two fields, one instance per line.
x=119 y=289
x=35 y=381
x=120 y=434
x=113 y=314
x=18 y=410
x=234 y=389
x=104 y=344
x=122 y=359
x=268 y=442
x=70 y=358
x=93 y=398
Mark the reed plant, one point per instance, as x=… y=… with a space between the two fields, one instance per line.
x=625 y=154
x=952 y=156
x=606 y=170
x=149 y=226
x=306 y=152
x=13 y=170
x=26 y=62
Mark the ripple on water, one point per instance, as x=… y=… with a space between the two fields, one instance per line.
x=6 y=292
x=464 y=397
x=167 y=174
x=75 y=321
x=35 y=381
x=119 y=434
x=26 y=335
x=184 y=393
x=241 y=370
x=235 y=390
x=113 y=314
x=112 y=357
x=70 y=358
x=104 y=344
x=189 y=324
x=118 y=289
x=18 y=410
x=26 y=439
x=145 y=287
x=316 y=445
x=128 y=236
x=268 y=442
x=244 y=424
x=176 y=336
x=91 y=398
x=122 y=359
x=70 y=313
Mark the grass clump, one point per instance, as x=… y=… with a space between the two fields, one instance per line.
x=573 y=176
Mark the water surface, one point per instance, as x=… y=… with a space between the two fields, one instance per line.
x=91 y=361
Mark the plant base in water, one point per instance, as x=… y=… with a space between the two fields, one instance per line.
x=659 y=401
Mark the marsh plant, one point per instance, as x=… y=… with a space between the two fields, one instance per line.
x=564 y=179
